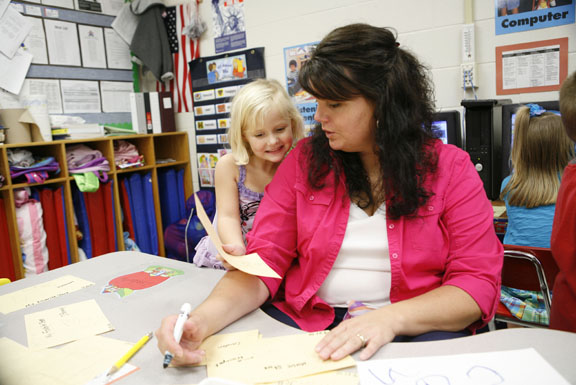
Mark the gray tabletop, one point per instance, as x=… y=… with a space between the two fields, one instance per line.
x=141 y=312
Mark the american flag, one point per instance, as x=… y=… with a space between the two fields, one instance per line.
x=183 y=50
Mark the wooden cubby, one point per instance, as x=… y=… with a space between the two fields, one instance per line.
x=159 y=150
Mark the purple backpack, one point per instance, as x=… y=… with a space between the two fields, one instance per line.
x=37 y=172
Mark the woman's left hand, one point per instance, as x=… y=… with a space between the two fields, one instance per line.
x=368 y=332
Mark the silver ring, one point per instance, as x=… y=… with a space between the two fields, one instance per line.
x=363 y=339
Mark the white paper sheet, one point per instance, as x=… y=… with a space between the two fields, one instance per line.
x=3 y=6
x=62 y=39
x=116 y=96
x=117 y=51
x=9 y=100
x=111 y=7
x=35 y=42
x=52 y=12
x=92 y=46
x=60 y=3
x=13 y=30
x=513 y=367
x=18 y=7
x=533 y=67
x=32 y=10
x=80 y=96
x=14 y=70
x=48 y=87
x=37 y=105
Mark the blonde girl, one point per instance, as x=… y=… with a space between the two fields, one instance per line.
x=265 y=124
x=540 y=152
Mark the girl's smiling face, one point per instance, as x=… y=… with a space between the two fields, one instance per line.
x=273 y=139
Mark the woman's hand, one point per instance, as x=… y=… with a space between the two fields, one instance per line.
x=231 y=249
x=187 y=352
x=368 y=332
x=446 y=308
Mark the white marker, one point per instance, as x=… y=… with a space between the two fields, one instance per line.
x=182 y=317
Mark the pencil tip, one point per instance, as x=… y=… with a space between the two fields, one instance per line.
x=164 y=366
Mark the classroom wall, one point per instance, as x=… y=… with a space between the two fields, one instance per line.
x=430 y=29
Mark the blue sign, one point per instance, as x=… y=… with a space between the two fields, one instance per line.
x=509 y=20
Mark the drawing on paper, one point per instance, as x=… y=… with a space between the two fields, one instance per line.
x=127 y=284
x=476 y=374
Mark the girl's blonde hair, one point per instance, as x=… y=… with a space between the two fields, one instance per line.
x=249 y=108
x=540 y=151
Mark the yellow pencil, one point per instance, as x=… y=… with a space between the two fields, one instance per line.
x=129 y=354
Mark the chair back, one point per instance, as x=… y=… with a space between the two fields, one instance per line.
x=521 y=271
x=530 y=268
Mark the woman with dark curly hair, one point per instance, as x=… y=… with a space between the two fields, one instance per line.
x=379 y=231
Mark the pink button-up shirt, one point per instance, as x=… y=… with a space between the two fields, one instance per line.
x=298 y=232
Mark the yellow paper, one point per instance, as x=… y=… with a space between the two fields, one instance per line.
x=64 y=324
x=251 y=263
x=282 y=358
x=277 y=359
x=34 y=295
x=332 y=378
x=72 y=364
x=222 y=347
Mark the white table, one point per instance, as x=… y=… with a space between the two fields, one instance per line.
x=135 y=315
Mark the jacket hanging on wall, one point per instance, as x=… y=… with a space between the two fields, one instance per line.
x=150 y=41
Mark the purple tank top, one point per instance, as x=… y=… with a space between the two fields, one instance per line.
x=249 y=202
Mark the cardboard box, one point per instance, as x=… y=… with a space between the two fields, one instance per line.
x=20 y=125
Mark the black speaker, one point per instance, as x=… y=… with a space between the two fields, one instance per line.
x=483 y=140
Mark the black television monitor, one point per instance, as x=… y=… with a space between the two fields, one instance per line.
x=447 y=127
x=508 y=117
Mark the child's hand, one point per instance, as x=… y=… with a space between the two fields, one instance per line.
x=233 y=250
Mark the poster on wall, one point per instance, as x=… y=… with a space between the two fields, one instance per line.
x=215 y=81
x=531 y=67
x=526 y=15
x=294 y=58
x=229 y=26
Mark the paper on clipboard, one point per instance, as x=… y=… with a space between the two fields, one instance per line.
x=251 y=263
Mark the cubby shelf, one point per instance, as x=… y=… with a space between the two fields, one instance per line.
x=156 y=149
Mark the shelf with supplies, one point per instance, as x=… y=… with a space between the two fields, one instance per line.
x=69 y=215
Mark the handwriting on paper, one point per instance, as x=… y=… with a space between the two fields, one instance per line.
x=278 y=359
x=223 y=348
x=46 y=291
x=64 y=324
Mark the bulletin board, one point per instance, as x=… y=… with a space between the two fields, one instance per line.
x=79 y=61
x=537 y=66
x=215 y=81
